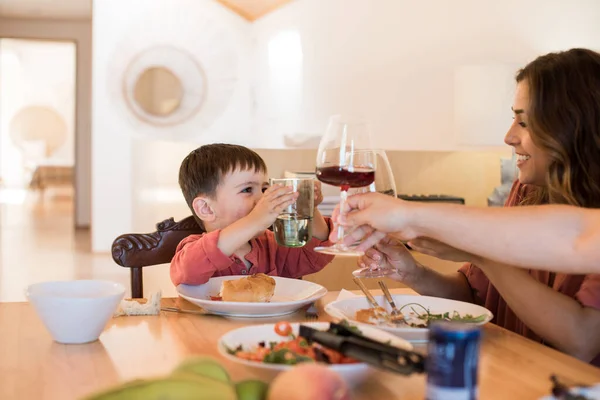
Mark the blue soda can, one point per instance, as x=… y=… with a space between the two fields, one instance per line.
x=452 y=361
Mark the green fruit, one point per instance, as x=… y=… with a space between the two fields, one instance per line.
x=251 y=390
x=171 y=388
x=203 y=366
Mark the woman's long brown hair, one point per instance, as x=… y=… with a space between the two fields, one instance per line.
x=564 y=121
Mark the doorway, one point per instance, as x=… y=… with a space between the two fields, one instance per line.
x=37 y=120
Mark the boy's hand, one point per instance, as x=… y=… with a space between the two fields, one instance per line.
x=318 y=193
x=273 y=201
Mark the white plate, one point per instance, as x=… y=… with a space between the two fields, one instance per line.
x=290 y=295
x=250 y=336
x=347 y=308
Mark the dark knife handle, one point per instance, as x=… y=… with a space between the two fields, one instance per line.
x=373 y=353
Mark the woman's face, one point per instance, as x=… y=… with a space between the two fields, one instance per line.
x=532 y=161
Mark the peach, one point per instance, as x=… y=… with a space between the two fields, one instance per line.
x=308 y=382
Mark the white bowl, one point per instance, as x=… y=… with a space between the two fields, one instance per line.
x=290 y=295
x=347 y=308
x=75 y=311
x=250 y=336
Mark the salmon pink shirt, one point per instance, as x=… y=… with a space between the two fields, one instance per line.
x=585 y=289
x=197 y=258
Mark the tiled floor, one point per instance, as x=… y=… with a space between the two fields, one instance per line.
x=38 y=242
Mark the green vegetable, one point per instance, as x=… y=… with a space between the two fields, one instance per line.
x=455 y=317
x=285 y=356
x=348 y=326
x=231 y=351
x=276 y=357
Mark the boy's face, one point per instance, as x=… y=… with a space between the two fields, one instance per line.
x=236 y=195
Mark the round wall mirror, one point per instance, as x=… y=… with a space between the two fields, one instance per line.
x=158 y=91
x=164 y=86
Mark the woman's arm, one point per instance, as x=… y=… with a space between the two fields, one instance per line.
x=553 y=237
x=560 y=320
x=557 y=238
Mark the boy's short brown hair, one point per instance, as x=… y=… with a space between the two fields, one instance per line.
x=202 y=170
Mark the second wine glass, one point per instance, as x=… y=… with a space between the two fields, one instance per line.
x=386 y=184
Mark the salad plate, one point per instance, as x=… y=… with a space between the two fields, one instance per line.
x=248 y=339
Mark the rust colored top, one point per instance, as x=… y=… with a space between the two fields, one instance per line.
x=583 y=288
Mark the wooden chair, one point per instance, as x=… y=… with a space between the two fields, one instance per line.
x=138 y=250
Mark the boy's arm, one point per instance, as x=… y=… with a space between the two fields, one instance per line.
x=273 y=201
x=238 y=234
x=197 y=259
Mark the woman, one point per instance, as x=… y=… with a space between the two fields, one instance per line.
x=556 y=135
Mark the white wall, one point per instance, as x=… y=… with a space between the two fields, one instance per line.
x=219 y=40
x=80 y=32
x=397 y=61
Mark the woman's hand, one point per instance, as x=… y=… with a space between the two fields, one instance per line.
x=441 y=250
x=370 y=217
x=390 y=253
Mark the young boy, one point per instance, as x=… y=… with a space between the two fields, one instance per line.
x=223 y=185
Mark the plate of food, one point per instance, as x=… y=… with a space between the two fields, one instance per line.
x=274 y=348
x=417 y=313
x=253 y=296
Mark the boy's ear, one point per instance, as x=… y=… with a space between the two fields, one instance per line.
x=203 y=209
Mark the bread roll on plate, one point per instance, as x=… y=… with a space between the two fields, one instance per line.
x=258 y=288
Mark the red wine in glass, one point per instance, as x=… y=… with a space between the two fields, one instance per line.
x=344 y=178
x=345 y=160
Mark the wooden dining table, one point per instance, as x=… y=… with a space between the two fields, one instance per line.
x=33 y=366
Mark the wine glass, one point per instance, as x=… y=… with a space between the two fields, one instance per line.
x=386 y=184
x=345 y=159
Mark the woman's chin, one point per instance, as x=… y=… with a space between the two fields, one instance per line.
x=524 y=178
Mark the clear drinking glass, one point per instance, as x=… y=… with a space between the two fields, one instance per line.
x=386 y=184
x=293 y=226
x=345 y=159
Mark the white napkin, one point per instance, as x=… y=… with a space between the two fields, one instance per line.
x=346 y=294
x=307 y=293
x=135 y=307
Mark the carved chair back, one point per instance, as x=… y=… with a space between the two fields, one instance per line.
x=138 y=250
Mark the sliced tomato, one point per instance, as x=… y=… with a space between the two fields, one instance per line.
x=334 y=356
x=283 y=328
x=294 y=347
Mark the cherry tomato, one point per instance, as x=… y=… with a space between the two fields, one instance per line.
x=283 y=328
